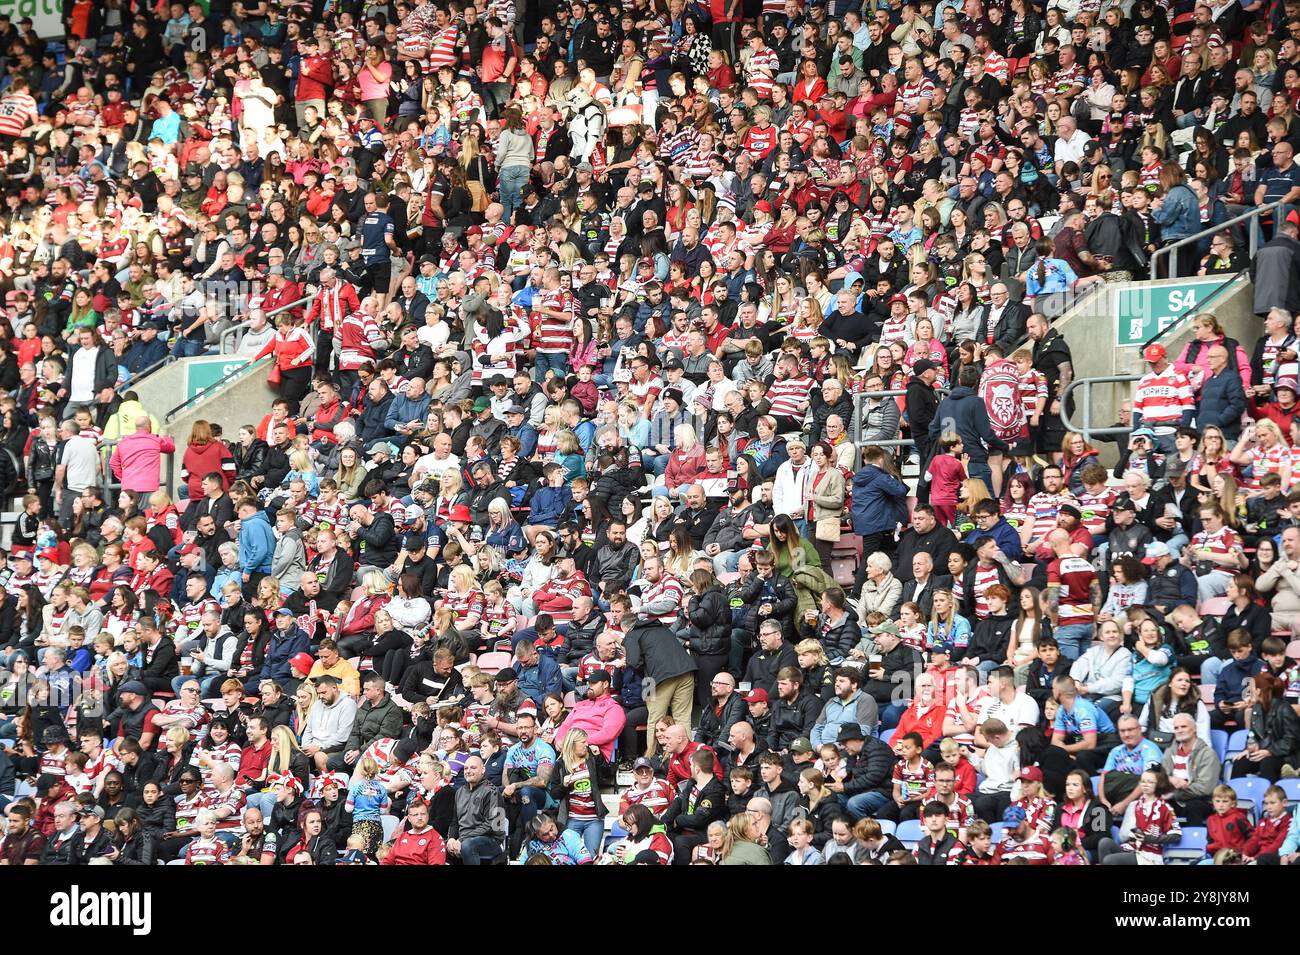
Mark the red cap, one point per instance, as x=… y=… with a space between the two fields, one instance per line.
x=898 y=297
x=302 y=662
x=459 y=512
x=762 y=206
x=1032 y=774
x=1154 y=352
x=51 y=553
x=756 y=695
x=189 y=548
x=473 y=230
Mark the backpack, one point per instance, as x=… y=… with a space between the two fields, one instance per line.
x=999 y=389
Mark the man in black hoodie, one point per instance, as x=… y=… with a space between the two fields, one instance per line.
x=922 y=404
x=376 y=532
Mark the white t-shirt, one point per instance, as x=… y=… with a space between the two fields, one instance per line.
x=81 y=387
x=1020 y=712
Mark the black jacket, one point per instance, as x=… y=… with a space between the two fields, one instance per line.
x=781 y=597
x=710 y=806
x=871 y=769
x=991 y=637
x=708 y=618
x=138 y=851
x=902 y=665
x=930 y=853
x=1010 y=330
x=380 y=541
x=838 y=640
x=925 y=598
x=653 y=651
x=250 y=462
x=764 y=666
x=1278 y=730
x=792 y=719
x=922 y=403
x=939 y=543
x=715 y=724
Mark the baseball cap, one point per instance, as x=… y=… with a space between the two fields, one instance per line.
x=473 y=230
x=48 y=553
x=801 y=745
x=134 y=686
x=756 y=695
x=922 y=366
x=1124 y=503
x=642 y=763
x=413 y=542
x=898 y=297
x=762 y=206
x=1031 y=774
x=282 y=610
x=584 y=167
x=515 y=409
x=413 y=513
x=1154 y=352
x=1155 y=550
x=1143 y=433
x=944 y=648
x=506 y=675
x=482 y=404
x=1014 y=816
x=599 y=676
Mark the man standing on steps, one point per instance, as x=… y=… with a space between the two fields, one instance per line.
x=1051 y=356
x=137 y=459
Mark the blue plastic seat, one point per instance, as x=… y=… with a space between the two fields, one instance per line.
x=1191 y=848
x=1219 y=742
x=909 y=833
x=1250 y=794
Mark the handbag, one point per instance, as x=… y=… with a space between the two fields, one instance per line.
x=273 y=377
x=827 y=529
x=478 y=196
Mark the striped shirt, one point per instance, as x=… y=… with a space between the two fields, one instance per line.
x=1074 y=577
x=1222 y=543
x=1095 y=509
x=554 y=333
x=1161 y=399
x=1043 y=508
x=17 y=110
x=761 y=70
x=789 y=398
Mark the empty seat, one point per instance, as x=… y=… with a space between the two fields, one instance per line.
x=491 y=663
x=389 y=825
x=1191 y=848
x=1250 y=794
x=909 y=833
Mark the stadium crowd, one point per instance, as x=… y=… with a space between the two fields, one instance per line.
x=603 y=336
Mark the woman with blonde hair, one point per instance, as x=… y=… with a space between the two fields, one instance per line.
x=685 y=462
x=466 y=599
x=739 y=847
x=971 y=492
x=568 y=454
x=451 y=491
x=359 y=622
x=350 y=474
x=1264 y=449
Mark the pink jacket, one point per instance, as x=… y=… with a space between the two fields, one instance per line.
x=602 y=720
x=684 y=467
x=137 y=460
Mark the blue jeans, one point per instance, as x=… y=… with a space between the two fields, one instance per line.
x=555 y=361
x=477 y=850
x=981 y=470
x=592 y=832
x=1073 y=639
x=1210 y=669
x=891 y=714
x=533 y=799
x=265 y=802
x=188 y=348
x=656 y=464
x=512 y=180
x=863 y=804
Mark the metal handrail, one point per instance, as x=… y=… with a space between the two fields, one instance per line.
x=216 y=386
x=238 y=330
x=1252 y=237
x=110 y=484
x=859 y=400
x=1086 y=429
x=1225 y=286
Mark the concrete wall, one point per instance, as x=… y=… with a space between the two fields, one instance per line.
x=245 y=401
x=1091 y=330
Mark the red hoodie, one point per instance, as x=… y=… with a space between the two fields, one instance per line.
x=1269 y=835
x=1229 y=830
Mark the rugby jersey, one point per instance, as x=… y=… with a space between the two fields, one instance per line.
x=1161 y=399
x=789 y=398
x=1074 y=577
